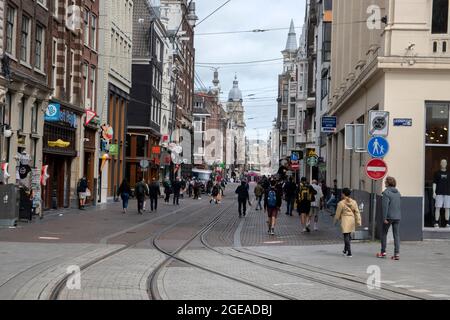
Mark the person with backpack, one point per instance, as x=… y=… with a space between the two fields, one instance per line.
x=124 y=192
x=141 y=191
x=154 y=193
x=243 y=197
x=290 y=190
x=274 y=199
x=348 y=213
x=259 y=193
x=305 y=196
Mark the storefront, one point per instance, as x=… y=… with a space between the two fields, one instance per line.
x=59 y=153
x=89 y=146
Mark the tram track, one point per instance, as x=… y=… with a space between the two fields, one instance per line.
x=60 y=285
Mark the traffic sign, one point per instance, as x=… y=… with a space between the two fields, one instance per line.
x=144 y=164
x=376 y=169
x=378 y=123
x=378 y=147
x=329 y=124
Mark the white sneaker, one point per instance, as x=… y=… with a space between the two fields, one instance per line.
x=304 y=230
x=448 y=226
x=436 y=225
x=315 y=228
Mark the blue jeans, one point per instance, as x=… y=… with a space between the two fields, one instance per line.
x=125 y=197
x=332 y=204
x=289 y=205
x=259 y=205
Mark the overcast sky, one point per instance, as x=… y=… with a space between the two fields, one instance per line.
x=258 y=79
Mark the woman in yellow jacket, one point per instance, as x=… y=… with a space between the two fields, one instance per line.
x=348 y=213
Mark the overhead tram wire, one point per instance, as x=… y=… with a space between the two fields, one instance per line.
x=236 y=63
x=209 y=15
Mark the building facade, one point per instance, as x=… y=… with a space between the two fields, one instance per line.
x=181 y=20
x=114 y=85
x=26 y=87
x=144 y=112
x=397 y=64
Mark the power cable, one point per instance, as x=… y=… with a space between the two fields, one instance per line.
x=209 y=15
x=235 y=63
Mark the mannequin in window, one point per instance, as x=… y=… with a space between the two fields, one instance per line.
x=441 y=193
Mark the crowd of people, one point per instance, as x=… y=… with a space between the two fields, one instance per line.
x=309 y=199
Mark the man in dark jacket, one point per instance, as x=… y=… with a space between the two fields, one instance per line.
x=392 y=214
x=243 y=197
x=290 y=191
x=154 y=193
x=141 y=190
x=176 y=187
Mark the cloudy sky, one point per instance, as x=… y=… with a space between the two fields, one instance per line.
x=258 y=80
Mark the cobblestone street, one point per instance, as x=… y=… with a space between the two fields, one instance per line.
x=234 y=258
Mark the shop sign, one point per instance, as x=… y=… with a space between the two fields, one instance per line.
x=156 y=150
x=52 y=112
x=58 y=143
x=107 y=132
x=114 y=149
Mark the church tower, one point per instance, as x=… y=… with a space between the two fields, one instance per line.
x=236 y=127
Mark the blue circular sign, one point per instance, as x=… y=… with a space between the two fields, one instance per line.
x=378 y=147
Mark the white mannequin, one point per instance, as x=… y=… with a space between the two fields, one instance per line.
x=437 y=213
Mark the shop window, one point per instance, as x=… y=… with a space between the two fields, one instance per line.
x=439 y=22
x=140 y=146
x=437 y=123
x=34 y=118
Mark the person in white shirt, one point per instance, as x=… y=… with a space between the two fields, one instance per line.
x=315 y=205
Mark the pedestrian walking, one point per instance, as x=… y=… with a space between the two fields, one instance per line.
x=124 y=193
x=81 y=189
x=197 y=190
x=259 y=194
x=167 y=190
x=290 y=191
x=274 y=201
x=215 y=193
x=243 y=198
x=316 y=204
x=176 y=188
x=347 y=213
x=266 y=185
x=154 y=194
x=392 y=215
x=209 y=186
x=141 y=191
x=334 y=199
x=223 y=186
x=190 y=187
x=306 y=195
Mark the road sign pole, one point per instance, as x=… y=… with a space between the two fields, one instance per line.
x=374 y=209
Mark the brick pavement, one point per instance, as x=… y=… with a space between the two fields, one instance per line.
x=119 y=277
x=423 y=265
x=30 y=270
